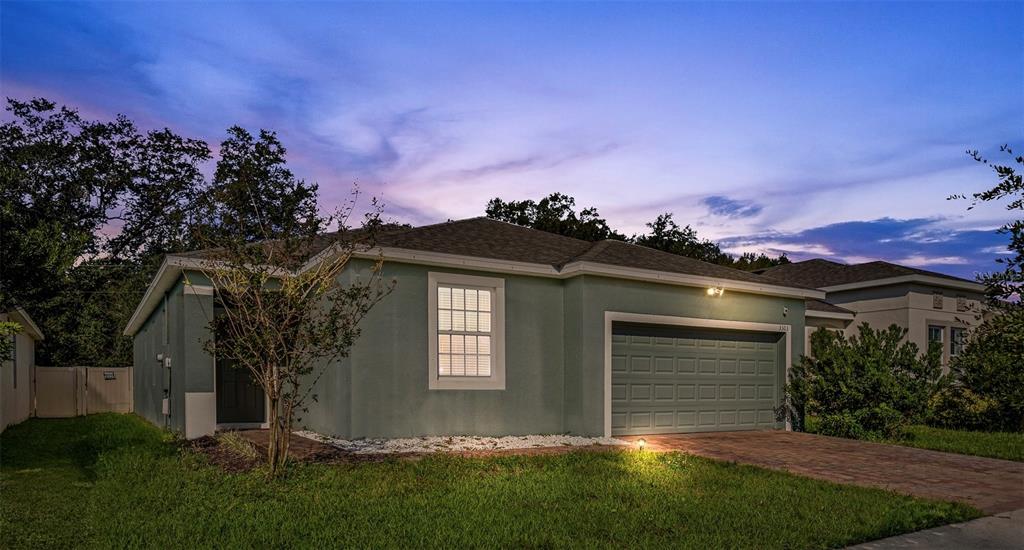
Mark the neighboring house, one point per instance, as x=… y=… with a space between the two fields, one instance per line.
x=496 y=329
x=933 y=307
x=16 y=392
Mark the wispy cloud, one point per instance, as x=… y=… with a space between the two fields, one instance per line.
x=438 y=122
x=729 y=208
x=961 y=252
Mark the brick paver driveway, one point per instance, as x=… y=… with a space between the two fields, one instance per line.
x=988 y=484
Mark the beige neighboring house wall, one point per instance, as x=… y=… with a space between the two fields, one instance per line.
x=816 y=320
x=913 y=307
x=16 y=377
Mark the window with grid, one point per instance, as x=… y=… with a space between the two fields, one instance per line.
x=464 y=320
x=957 y=339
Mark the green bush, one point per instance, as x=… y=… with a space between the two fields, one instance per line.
x=987 y=378
x=840 y=425
x=868 y=386
x=959 y=408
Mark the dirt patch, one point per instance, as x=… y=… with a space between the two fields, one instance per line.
x=222 y=456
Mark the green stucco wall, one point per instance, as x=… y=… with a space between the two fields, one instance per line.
x=381 y=390
x=587 y=304
x=177 y=329
x=554 y=356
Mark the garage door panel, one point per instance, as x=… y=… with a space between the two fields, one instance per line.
x=679 y=380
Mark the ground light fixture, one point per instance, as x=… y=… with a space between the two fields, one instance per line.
x=641 y=443
x=716 y=291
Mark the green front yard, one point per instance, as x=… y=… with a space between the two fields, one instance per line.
x=115 y=481
x=1008 y=446
x=1004 y=445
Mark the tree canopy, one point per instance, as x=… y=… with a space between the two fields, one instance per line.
x=88 y=208
x=1005 y=285
x=556 y=213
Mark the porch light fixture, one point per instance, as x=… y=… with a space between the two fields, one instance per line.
x=716 y=291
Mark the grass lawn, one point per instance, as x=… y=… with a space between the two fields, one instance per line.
x=1008 y=446
x=115 y=481
x=1005 y=445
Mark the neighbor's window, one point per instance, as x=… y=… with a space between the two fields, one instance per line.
x=957 y=339
x=936 y=300
x=466 y=332
x=934 y=334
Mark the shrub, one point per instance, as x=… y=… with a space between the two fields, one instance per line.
x=987 y=378
x=959 y=408
x=867 y=386
x=841 y=425
x=882 y=421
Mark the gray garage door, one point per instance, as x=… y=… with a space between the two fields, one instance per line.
x=675 y=379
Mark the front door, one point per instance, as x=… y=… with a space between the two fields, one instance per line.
x=239 y=398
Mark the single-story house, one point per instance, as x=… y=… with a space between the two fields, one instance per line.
x=933 y=307
x=497 y=329
x=16 y=392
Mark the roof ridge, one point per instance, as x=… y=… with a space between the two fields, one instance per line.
x=559 y=235
x=594 y=248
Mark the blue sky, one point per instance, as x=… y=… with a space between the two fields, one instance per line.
x=818 y=129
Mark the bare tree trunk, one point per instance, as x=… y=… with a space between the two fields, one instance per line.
x=272 y=447
x=286 y=432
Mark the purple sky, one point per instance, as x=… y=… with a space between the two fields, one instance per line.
x=832 y=130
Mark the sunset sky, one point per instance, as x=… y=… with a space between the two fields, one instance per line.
x=822 y=130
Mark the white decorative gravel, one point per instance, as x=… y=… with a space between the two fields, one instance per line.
x=457 y=443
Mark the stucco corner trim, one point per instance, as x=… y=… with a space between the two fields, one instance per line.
x=614 y=316
x=200 y=414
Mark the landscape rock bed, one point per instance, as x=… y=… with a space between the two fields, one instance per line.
x=460 y=444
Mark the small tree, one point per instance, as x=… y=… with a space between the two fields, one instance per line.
x=285 y=314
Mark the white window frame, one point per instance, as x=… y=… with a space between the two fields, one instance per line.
x=496 y=381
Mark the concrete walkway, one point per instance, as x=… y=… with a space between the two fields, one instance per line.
x=999 y=532
x=991 y=485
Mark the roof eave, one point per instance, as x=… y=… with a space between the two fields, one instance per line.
x=829 y=314
x=922 y=279
x=585 y=268
x=30 y=326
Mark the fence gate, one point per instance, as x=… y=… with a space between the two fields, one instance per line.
x=63 y=392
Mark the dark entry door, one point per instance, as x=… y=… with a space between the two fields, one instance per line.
x=239 y=398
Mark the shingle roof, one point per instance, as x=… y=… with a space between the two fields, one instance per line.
x=631 y=255
x=820 y=305
x=492 y=239
x=487 y=238
x=819 y=273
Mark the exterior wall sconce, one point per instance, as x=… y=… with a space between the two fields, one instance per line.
x=716 y=291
